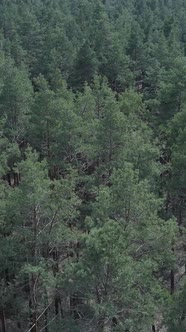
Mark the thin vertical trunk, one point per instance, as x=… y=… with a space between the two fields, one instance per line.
x=50 y=171
x=46 y=311
x=110 y=154
x=19 y=325
x=167 y=203
x=16 y=179
x=46 y=321
x=172 y=282
x=2 y=317
x=56 y=305
x=57 y=298
x=33 y=280
x=33 y=318
x=180 y=217
x=9 y=179
x=172 y=279
x=34 y=233
x=48 y=141
x=34 y=329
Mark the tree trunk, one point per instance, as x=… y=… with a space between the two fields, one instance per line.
x=172 y=281
x=33 y=279
x=56 y=305
x=46 y=311
x=33 y=318
x=2 y=317
x=46 y=321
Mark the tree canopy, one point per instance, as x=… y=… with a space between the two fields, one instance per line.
x=92 y=165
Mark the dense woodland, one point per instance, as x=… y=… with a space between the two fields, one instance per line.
x=92 y=165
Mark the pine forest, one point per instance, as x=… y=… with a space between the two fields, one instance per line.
x=92 y=165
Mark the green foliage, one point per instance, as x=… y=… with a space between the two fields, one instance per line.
x=123 y=251
x=15 y=100
x=176 y=316
x=92 y=165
